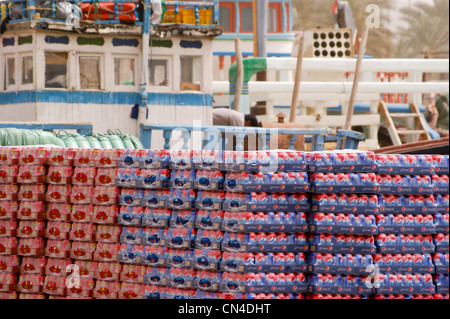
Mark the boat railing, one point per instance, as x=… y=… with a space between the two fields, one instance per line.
x=80 y=128
x=200 y=13
x=219 y=137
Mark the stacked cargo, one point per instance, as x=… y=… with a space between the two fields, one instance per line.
x=411 y=203
x=265 y=225
x=342 y=223
x=133 y=224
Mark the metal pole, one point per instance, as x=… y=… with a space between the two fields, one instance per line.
x=362 y=48
x=298 y=76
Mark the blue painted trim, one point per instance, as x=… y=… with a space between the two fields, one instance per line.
x=250 y=54
x=56 y=40
x=8 y=42
x=95 y=97
x=191 y=44
x=117 y=42
x=249 y=36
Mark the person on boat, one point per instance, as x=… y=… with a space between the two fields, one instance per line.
x=437 y=115
x=229 y=117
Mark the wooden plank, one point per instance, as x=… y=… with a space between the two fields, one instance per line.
x=298 y=77
x=420 y=122
x=389 y=123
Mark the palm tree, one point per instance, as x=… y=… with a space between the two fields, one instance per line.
x=427 y=29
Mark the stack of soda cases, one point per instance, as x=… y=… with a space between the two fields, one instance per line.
x=412 y=240
x=22 y=223
x=94 y=234
x=64 y=202
x=265 y=225
x=157 y=217
x=343 y=226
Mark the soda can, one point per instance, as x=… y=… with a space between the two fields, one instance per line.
x=397 y=180
x=355 y=179
x=339 y=239
x=409 y=240
x=342 y=179
x=260 y=259
x=363 y=200
x=341 y=199
x=409 y=220
x=332 y=199
x=369 y=241
x=280 y=238
x=359 y=240
x=349 y=240
x=341 y=219
x=352 y=199
x=317 y=179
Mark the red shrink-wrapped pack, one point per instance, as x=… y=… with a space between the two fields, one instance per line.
x=133 y=273
x=82 y=213
x=58 y=193
x=30 y=283
x=107 y=252
x=8 y=228
x=108 y=233
x=58 y=248
x=57 y=230
x=84 y=176
x=59 y=175
x=58 y=212
x=54 y=285
x=86 y=268
x=8 y=174
x=106 y=176
x=31 y=210
x=9 y=264
x=103 y=214
x=8 y=210
x=130 y=290
x=32 y=192
x=31 y=228
x=57 y=266
x=82 y=194
x=80 y=288
x=8 y=245
x=31 y=247
x=108 y=271
x=9 y=155
x=83 y=250
x=9 y=295
x=33 y=155
x=106 y=289
x=33 y=265
x=32 y=174
x=83 y=232
x=84 y=158
x=9 y=192
x=106 y=195
x=107 y=157
x=61 y=156
x=8 y=282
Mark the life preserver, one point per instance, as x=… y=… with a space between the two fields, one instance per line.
x=105 y=11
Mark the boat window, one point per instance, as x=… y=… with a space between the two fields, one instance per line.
x=247 y=19
x=159 y=72
x=90 y=78
x=124 y=71
x=226 y=16
x=274 y=17
x=55 y=69
x=10 y=69
x=27 y=69
x=191 y=73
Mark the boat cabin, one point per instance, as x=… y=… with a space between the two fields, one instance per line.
x=115 y=64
